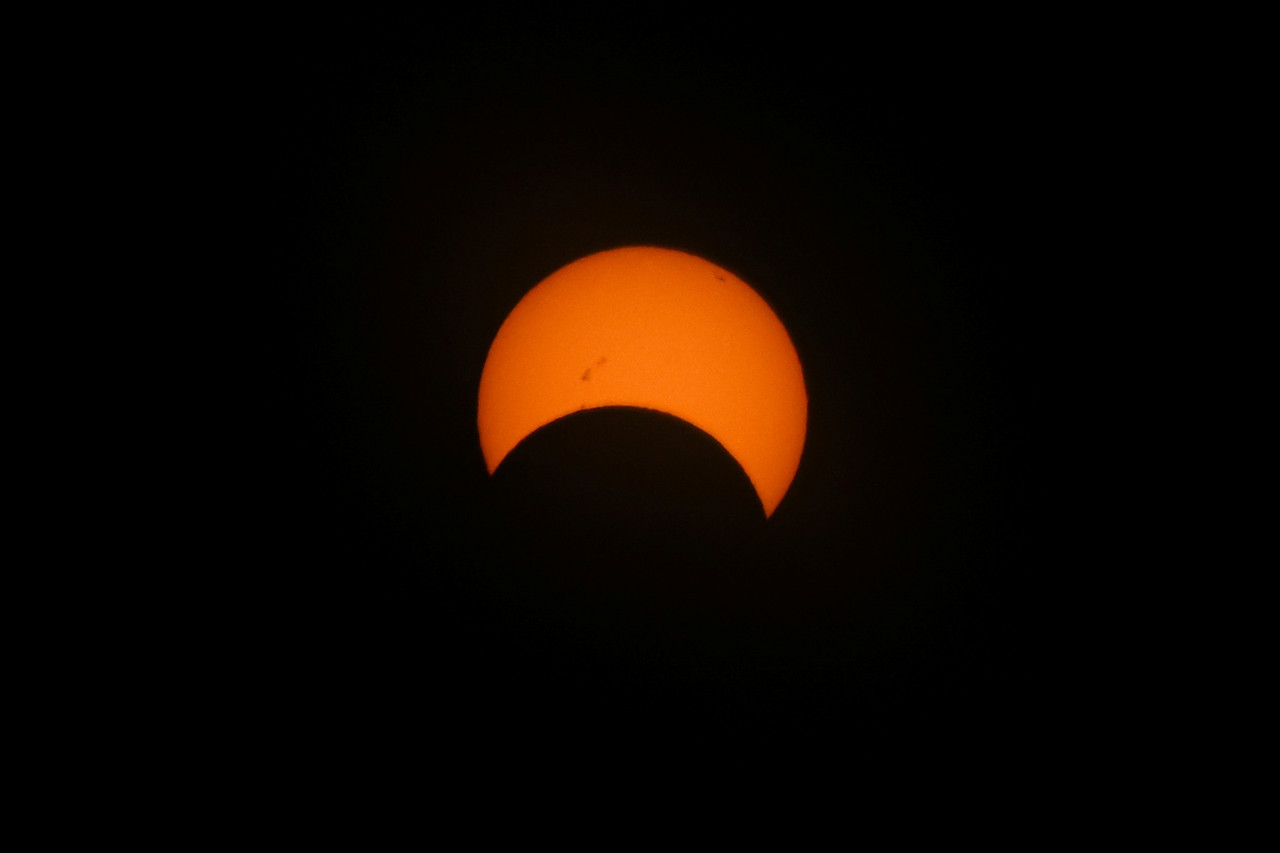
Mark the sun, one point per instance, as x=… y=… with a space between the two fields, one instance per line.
x=658 y=329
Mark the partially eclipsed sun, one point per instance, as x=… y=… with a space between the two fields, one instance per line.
x=655 y=329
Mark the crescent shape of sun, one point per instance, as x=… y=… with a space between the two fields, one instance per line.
x=655 y=329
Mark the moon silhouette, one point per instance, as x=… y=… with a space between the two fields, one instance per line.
x=657 y=329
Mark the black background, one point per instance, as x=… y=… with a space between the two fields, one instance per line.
x=893 y=191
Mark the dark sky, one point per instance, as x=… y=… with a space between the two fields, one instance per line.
x=886 y=190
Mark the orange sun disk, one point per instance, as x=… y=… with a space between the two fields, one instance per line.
x=656 y=329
